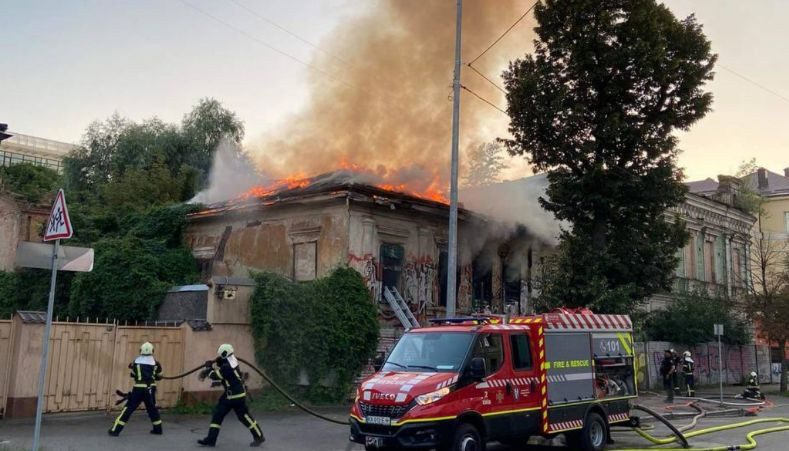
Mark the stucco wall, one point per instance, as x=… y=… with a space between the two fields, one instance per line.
x=263 y=241
x=202 y=346
x=9 y=232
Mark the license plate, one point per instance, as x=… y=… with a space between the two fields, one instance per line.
x=374 y=442
x=382 y=421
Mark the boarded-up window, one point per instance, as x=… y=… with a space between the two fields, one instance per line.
x=305 y=262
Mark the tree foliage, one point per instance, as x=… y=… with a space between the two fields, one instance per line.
x=125 y=186
x=35 y=183
x=689 y=320
x=596 y=106
x=124 y=164
x=327 y=327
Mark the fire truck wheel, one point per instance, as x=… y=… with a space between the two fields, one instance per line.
x=594 y=435
x=466 y=438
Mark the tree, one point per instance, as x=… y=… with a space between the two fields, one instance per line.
x=34 y=183
x=689 y=320
x=485 y=164
x=596 y=106
x=205 y=126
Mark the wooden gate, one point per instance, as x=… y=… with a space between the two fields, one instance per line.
x=169 y=351
x=80 y=362
x=6 y=346
x=89 y=361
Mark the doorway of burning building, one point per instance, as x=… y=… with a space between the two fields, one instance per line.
x=392 y=256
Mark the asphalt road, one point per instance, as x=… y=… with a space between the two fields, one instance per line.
x=293 y=431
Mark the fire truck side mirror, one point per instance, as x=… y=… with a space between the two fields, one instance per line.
x=476 y=368
x=378 y=362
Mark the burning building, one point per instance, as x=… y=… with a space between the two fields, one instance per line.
x=397 y=240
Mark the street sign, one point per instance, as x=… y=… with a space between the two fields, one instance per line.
x=59 y=224
x=39 y=255
x=718 y=329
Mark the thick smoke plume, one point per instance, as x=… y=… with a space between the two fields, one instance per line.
x=386 y=102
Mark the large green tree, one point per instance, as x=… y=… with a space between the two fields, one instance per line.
x=596 y=106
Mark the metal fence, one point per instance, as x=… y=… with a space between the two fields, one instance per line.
x=8 y=158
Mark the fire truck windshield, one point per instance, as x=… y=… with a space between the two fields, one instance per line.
x=442 y=352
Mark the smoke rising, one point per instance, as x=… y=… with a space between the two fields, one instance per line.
x=231 y=174
x=387 y=104
x=515 y=202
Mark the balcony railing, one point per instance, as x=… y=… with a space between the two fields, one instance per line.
x=11 y=158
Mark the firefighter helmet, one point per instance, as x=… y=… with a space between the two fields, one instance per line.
x=753 y=373
x=225 y=350
x=146 y=348
x=687 y=353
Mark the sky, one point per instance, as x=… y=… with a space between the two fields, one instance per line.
x=66 y=63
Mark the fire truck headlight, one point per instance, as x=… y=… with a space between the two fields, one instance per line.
x=429 y=398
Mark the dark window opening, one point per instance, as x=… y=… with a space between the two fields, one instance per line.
x=391 y=266
x=482 y=284
x=512 y=282
x=521 y=353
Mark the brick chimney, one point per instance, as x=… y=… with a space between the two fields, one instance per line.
x=786 y=172
x=761 y=176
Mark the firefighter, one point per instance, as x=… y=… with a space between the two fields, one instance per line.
x=145 y=371
x=675 y=379
x=687 y=372
x=234 y=397
x=667 y=371
x=752 y=390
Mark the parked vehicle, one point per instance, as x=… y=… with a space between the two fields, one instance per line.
x=463 y=382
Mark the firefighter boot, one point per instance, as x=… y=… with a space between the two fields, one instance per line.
x=157 y=428
x=213 y=433
x=257 y=441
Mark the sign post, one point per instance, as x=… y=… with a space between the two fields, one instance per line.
x=718 y=329
x=58 y=227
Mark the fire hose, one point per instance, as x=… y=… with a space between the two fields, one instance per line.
x=273 y=384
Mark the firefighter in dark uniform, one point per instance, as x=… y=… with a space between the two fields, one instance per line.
x=234 y=398
x=667 y=371
x=145 y=371
x=752 y=389
x=687 y=372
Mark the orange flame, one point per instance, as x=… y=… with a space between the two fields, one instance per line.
x=433 y=192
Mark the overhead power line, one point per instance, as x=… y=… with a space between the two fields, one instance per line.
x=482 y=99
x=755 y=83
x=262 y=42
x=494 y=84
x=505 y=33
x=280 y=27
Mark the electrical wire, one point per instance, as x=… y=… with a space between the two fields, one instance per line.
x=482 y=99
x=495 y=85
x=753 y=82
x=262 y=42
x=505 y=33
x=280 y=27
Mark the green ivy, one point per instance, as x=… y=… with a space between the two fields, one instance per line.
x=327 y=327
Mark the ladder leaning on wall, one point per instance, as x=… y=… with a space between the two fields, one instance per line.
x=400 y=307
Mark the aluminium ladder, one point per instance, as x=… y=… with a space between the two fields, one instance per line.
x=400 y=308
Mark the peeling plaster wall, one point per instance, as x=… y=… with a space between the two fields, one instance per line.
x=9 y=232
x=263 y=240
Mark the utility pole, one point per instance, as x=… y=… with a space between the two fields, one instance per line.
x=452 y=252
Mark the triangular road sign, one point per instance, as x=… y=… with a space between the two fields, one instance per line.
x=59 y=224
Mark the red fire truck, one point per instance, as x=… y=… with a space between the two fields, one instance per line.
x=463 y=382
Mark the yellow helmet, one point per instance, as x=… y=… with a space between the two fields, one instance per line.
x=146 y=348
x=225 y=350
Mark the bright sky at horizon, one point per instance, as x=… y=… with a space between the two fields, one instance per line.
x=65 y=64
